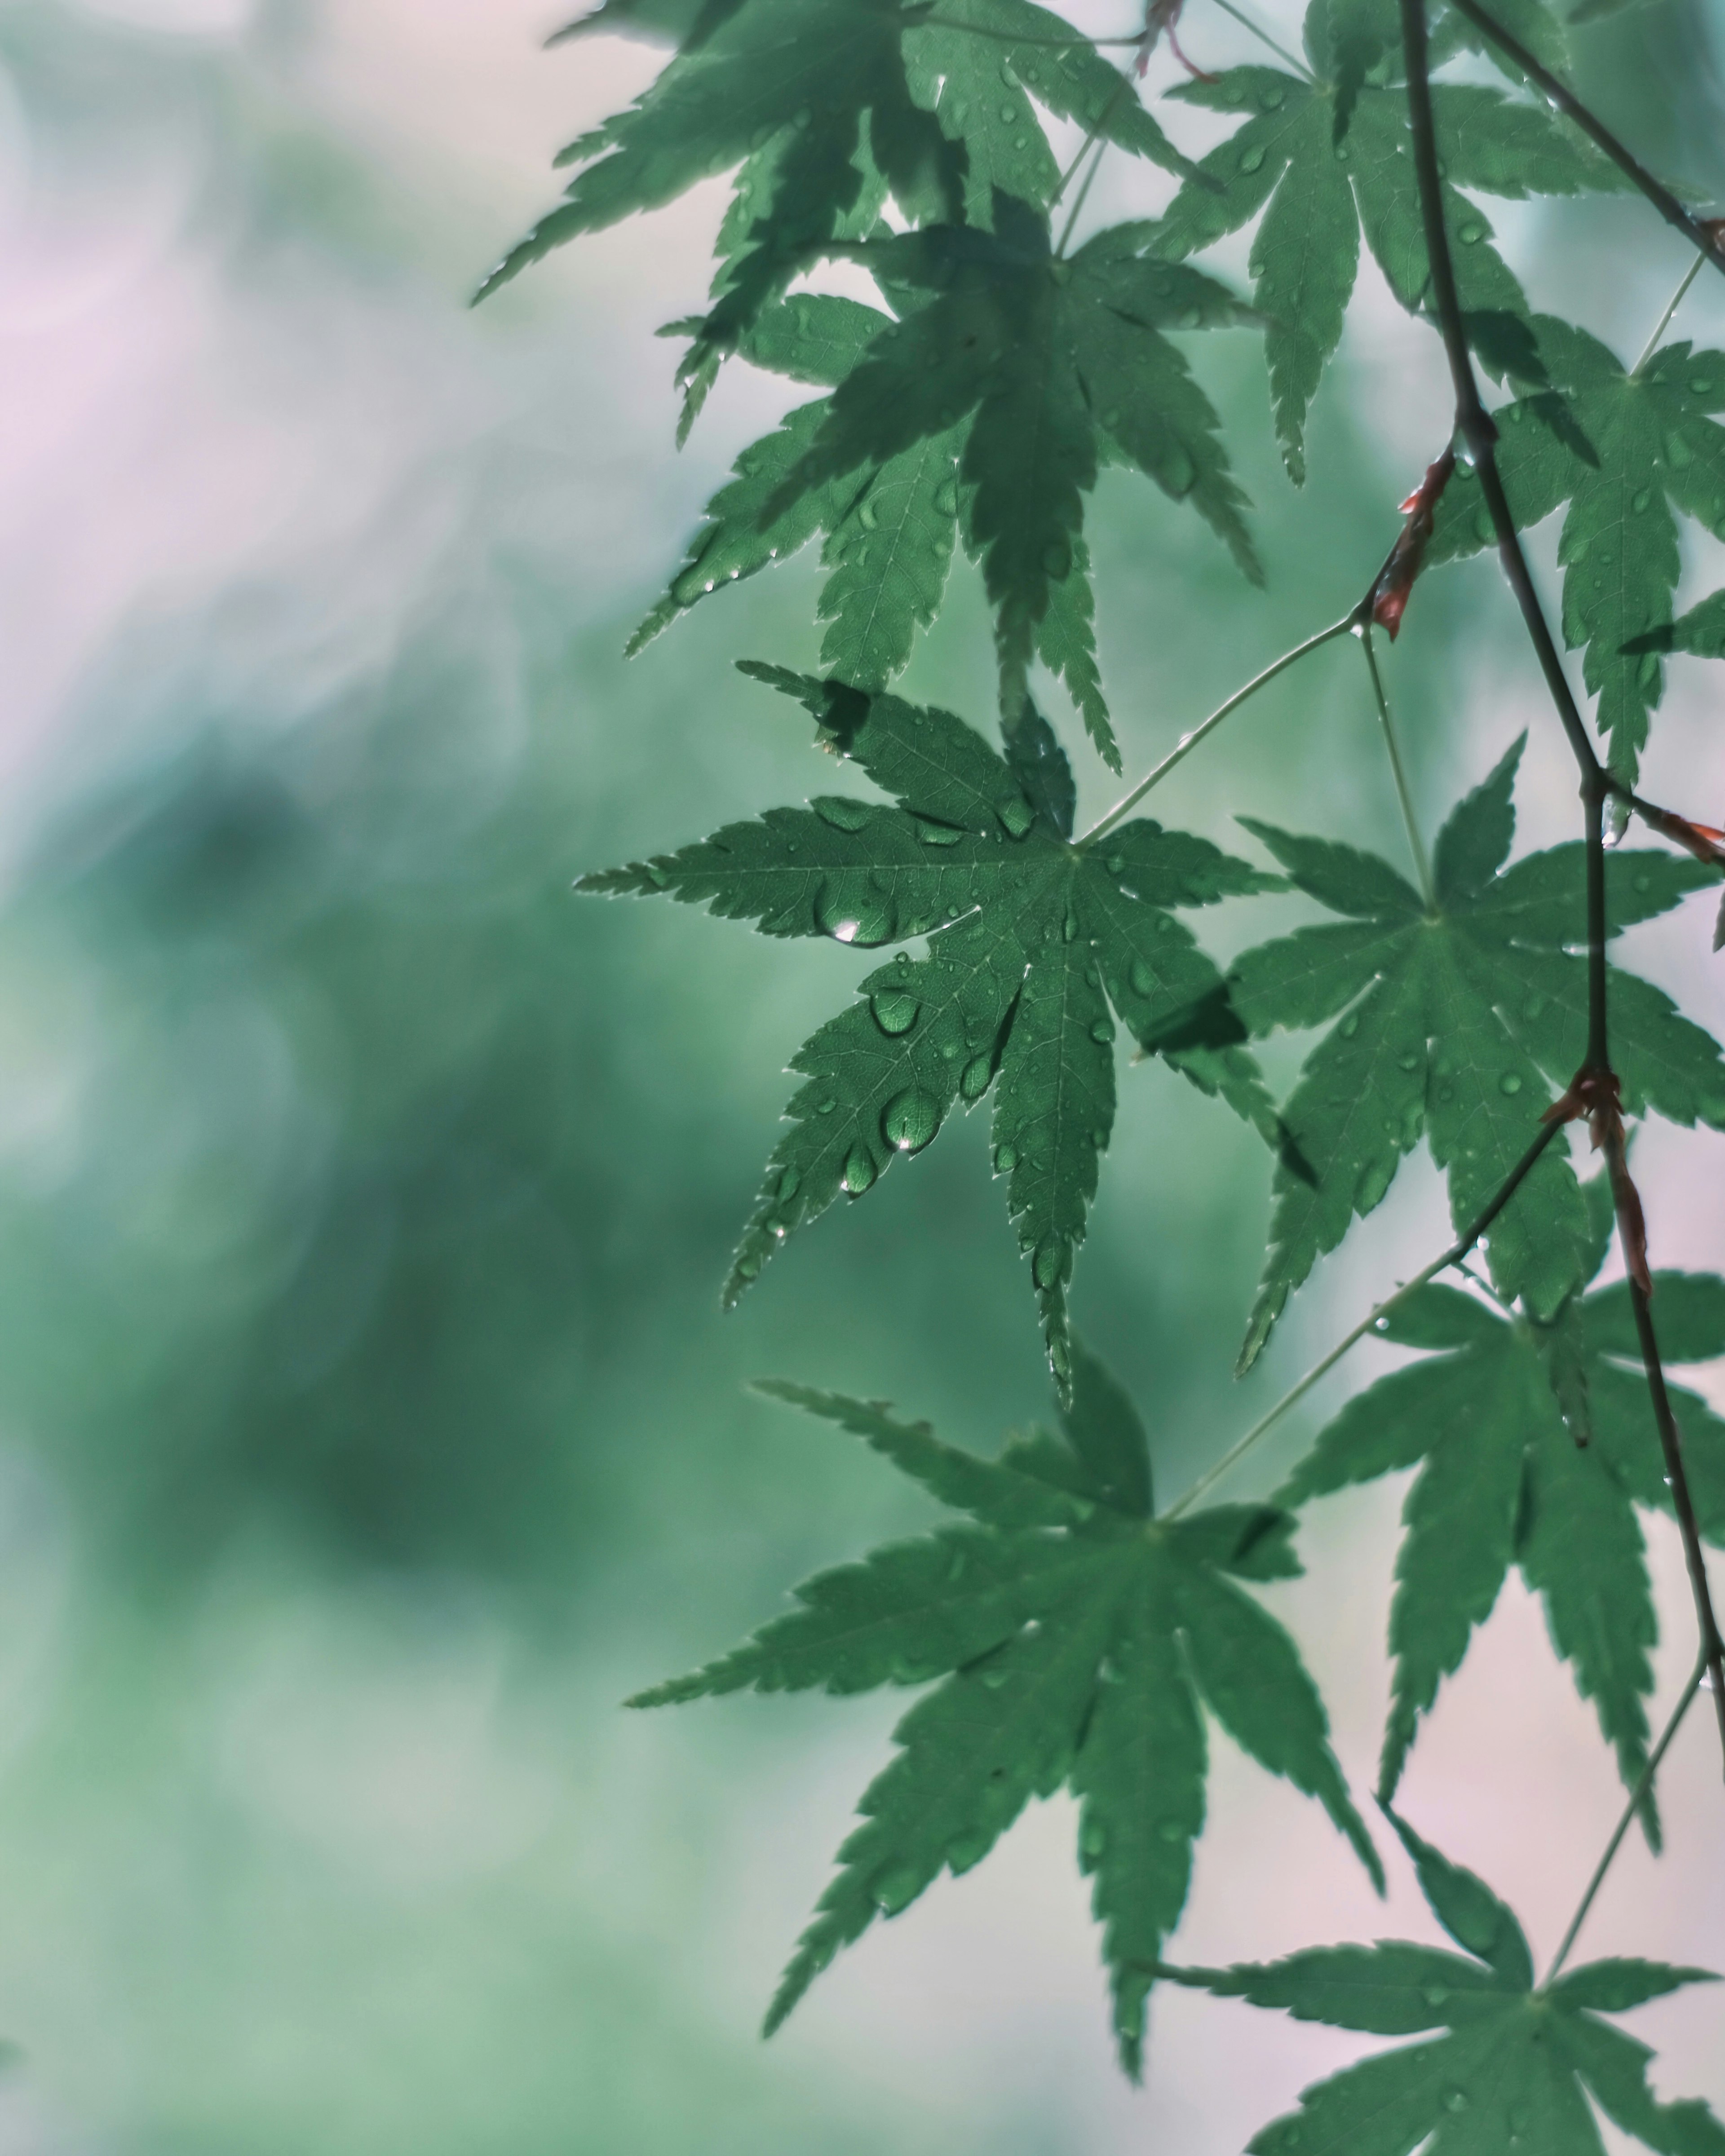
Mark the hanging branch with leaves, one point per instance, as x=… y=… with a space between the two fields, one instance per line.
x=1074 y=1634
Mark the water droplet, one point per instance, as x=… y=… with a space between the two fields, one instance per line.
x=790 y=1184
x=1092 y=1841
x=1252 y=160
x=842 y=814
x=973 y=1078
x=1409 y=1059
x=1349 y=1026
x=895 y=1009
x=1048 y=1262
x=1142 y=979
x=1434 y=1995
x=1008 y=112
x=1006 y=1159
x=993 y=1676
x=1172 y=1830
x=867 y=514
x=946 y=497
x=1271 y=96
x=858 y=1170
x=911 y=1120
x=1101 y=1031
x=1533 y=1007
x=897 y=1889
x=1701 y=384
x=860 y=917
x=1017 y=814
x=1456 y=2099
x=1510 y=1083
x=1470 y=234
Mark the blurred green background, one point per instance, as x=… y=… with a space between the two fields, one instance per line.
x=368 y=1427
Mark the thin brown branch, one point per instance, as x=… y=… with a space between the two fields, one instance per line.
x=1702 y=233
x=1594 y=1090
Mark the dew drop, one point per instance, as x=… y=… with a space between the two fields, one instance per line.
x=1017 y=815
x=910 y=1120
x=894 y=1010
x=1101 y=1031
x=1349 y=1026
x=993 y=1676
x=1456 y=2099
x=1092 y=1841
x=946 y=497
x=1409 y=1059
x=858 y=1170
x=1510 y=1083
x=1008 y=112
x=1251 y=161
x=973 y=1078
x=1270 y=97
x=1172 y=1830
x=1006 y=1159
x=790 y=1184
x=842 y=814
x=896 y=1890
x=1048 y=1262
x=1142 y=979
x=1434 y=1995
x=868 y=515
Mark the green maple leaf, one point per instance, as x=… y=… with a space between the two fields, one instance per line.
x=907 y=458
x=1078 y=1638
x=1036 y=947
x=889 y=532
x=1623 y=451
x=1535 y=1443
x=1515 y=2064
x=827 y=106
x=1450 y=1022
x=1701 y=631
x=1326 y=160
x=1035 y=371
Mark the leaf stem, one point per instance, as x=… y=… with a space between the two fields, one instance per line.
x=1084 y=148
x=1558 y=92
x=1415 y=843
x=1638 y=1797
x=1665 y=320
x=1453 y=1256
x=1078 y=199
x=1474 y=423
x=1187 y=742
x=1264 y=37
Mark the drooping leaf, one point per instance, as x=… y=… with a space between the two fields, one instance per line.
x=1624 y=452
x=826 y=105
x=1329 y=159
x=1037 y=946
x=1463 y=1023
x=1513 y=2067
x=1040 y=370
x=1079 y=1640
x=1535 y=1444
x=986 y=414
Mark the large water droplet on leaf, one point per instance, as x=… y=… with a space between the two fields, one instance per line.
x=911 y=1120
x=894 y=1010
x=858 y=1170
x=842 y=815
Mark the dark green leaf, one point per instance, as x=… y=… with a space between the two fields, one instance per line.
x=1035 y=947
x=1464 y=1025
x=1510 y=2073
x=1074 y=1652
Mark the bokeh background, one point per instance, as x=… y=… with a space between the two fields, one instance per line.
x=368 y=1427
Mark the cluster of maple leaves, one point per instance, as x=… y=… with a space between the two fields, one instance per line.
x=1073 y=1634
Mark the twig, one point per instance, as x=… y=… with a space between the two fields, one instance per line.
x=1638 y=1797
x=1078 y=199
x=1416 y=844
x=1264 y=37
x=1187 y=742
x=1453 y=1256
x=1595 y=1078
x=1696 y=230
x=1665 y=320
